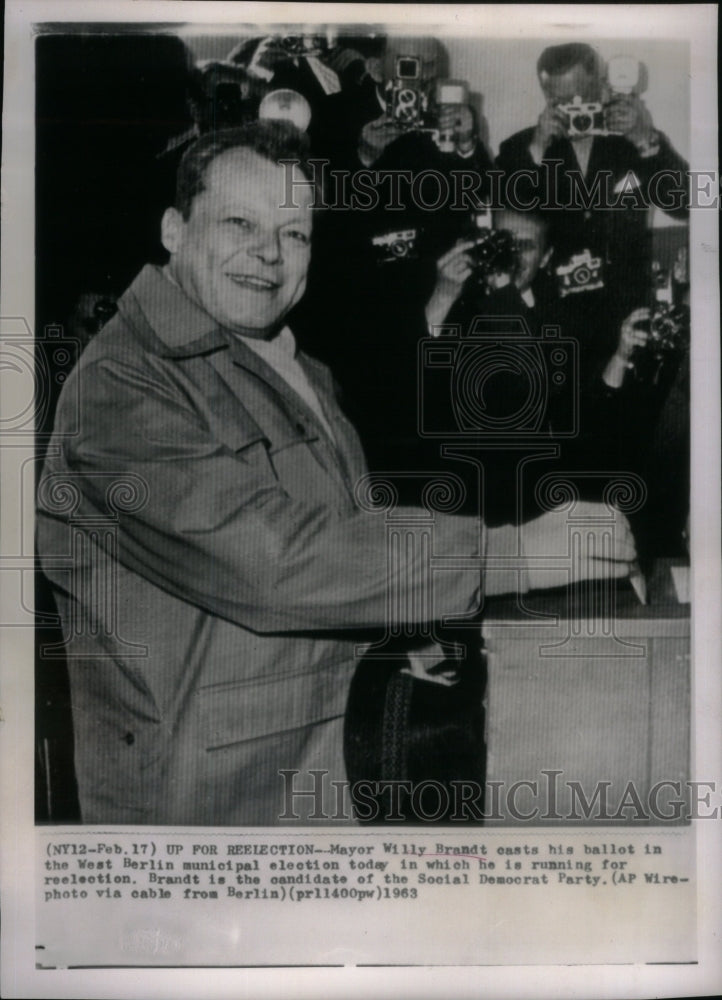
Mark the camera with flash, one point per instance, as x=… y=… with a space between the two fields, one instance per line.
x=414 y=101
x=588 y=117
x=446 y=93
x=623 y=73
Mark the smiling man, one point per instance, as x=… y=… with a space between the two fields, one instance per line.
x=234 y=250
x=198 y=519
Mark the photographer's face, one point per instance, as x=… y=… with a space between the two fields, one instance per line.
x=530 y=238
x=240 y=255
x=564 y=87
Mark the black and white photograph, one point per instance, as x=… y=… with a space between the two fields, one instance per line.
x=360 y=448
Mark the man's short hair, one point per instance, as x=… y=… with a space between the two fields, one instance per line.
x=558 y=59
x=274 y=140
x=538 y=218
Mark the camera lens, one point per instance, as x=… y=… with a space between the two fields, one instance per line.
x=581 y=123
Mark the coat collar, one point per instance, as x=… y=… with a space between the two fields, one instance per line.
x=175 y=324
x=178 y=328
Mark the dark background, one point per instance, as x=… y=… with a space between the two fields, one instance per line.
x=106 y=106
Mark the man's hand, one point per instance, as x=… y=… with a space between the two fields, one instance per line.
x=631 y=338
x=629 y=116
x=375 y=137
x=459 y=119
x=552 y=124
x=452 y=270
x=604 y=546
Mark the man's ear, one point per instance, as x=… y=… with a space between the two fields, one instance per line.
x=171 y=230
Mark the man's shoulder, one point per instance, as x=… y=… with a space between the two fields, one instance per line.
x=118 y=339
x=123 y=338
x=617 y=150
x=517 y=141
x=127 y=343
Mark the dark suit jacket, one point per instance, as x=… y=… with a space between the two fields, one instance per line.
x=620 y=235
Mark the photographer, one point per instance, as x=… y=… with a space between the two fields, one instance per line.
x=336 y=125
x=429 y=132
x=475 y=283
x=376 y=268
x=577 y=162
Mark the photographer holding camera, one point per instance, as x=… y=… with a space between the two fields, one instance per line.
x=593 y=162
x=376 y=267
x=501 y=273
x=428 y=132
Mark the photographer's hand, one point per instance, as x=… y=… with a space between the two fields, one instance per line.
x=631 y=338
x=375 y=137
x=606 y=546
x=552 y=124
x=630 y=117
x=459 y=119
x=452 y=270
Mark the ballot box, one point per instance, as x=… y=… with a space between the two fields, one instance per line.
x=588 y=704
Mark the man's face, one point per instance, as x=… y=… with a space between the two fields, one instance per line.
x=564 y=87
x=531 y=242
x=240 y=254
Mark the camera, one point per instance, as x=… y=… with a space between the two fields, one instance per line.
x=498 y=382
x=589 y=118
x=657 y=362
x=583 y=118
x=669 y=326
x=397 y=245
x=669 y=330
x=447 y=92
x=414 y=98
x=408 y=94
x=494 y=252
x=304 y=45
x=583 y=273
x=223 y=96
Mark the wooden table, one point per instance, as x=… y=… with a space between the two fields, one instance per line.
x=595 y=686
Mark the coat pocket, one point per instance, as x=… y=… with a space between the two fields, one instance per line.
x=234 y=713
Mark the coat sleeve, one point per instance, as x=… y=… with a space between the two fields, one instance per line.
x=666 y=179
x=218 y=530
